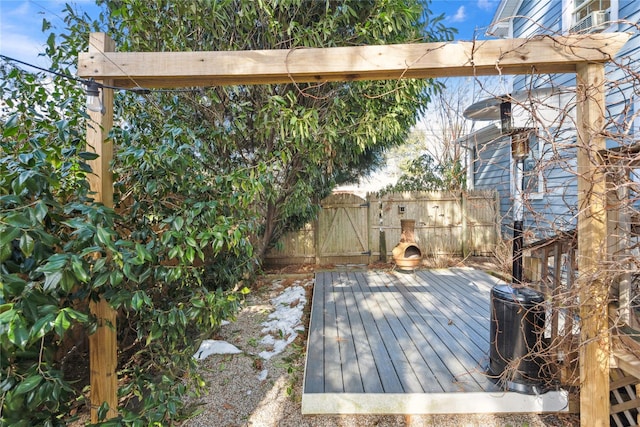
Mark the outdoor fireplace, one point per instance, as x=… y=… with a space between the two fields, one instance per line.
x=407 y=254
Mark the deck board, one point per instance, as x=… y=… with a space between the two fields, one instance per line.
x=443 y=334
x=376 y=327
x=433 y=375
x=400 y=345
x=314 y=376
x=463 y=315
x=332 y=370
x=347 y=321
x=388 y=342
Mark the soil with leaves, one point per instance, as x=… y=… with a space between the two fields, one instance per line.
x=257 y=388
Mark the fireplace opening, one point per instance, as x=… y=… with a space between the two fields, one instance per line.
x=407 y=254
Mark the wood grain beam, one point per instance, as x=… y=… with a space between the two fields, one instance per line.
x=103 y=348
x=543 y=54
x=593 y=290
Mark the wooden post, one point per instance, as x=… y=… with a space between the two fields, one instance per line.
x=103 y=357
x=619 y=234
x=465 y=239
x=593 y=292
x=369 y=229
x=497 y=220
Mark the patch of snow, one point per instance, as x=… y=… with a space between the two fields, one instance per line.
x=263 y=375
x=277 y=346
x=209 y=347
x=284 y=323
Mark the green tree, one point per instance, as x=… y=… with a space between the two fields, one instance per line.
x=42 y=189
x=59 y=250
x=306 y=137
x=441 y=163
x=424 y=173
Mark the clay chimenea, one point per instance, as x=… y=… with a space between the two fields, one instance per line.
x=407 y=255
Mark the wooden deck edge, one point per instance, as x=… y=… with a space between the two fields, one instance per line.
x=317 y=294
x=433 y=403
x=626 y=354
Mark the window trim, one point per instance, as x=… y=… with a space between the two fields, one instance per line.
x=539 y=157
x=569 y=9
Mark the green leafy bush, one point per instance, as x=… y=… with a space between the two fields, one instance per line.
x=171 y=258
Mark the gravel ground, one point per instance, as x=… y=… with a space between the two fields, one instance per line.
x=239 y=393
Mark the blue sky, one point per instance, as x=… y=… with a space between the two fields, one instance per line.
x=470 y=17
x=21 y=22
x=21 y=35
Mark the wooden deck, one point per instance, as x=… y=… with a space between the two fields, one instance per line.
x=395 y=343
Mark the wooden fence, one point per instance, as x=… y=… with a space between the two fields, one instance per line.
x=353 y=230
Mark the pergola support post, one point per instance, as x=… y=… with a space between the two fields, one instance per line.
x=593 y=291
x=103 y=350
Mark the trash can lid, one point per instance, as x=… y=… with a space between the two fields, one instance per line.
x=524 y=295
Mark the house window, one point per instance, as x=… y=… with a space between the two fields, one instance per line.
x=533 y=179
x=592 y=15
x=584 y=8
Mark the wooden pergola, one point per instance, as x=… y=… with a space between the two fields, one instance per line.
x=584 y=55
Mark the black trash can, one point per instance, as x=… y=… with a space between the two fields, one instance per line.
x=517 y=330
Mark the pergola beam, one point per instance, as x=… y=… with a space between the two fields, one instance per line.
x=537 y=55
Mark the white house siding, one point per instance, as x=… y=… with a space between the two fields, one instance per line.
x=556 y=209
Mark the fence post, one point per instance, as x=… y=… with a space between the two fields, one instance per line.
x=369 y=229
x=497 y=219
x=465 y=230
x=382 y=243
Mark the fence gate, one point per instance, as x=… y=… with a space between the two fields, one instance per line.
x=343 y=230
x=348 y=227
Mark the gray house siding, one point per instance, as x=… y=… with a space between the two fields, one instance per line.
x=492 y=172
x=538 y=17
x=622 y=102
x=555 y=208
